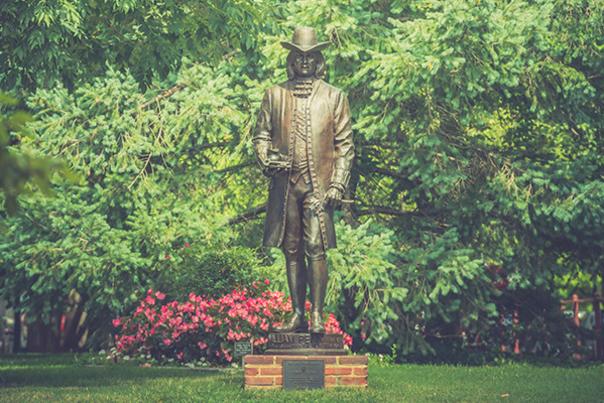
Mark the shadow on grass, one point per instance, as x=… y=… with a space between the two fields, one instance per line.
x=33 y=370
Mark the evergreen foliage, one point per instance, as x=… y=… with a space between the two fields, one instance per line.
x=479 y=136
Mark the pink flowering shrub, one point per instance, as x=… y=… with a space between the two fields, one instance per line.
x=205 y=328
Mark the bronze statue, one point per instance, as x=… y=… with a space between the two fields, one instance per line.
x=303 y=142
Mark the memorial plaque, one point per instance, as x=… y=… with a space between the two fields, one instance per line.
x=308 y=374
x=243 y=348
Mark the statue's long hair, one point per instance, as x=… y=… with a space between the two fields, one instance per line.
x=319 y=71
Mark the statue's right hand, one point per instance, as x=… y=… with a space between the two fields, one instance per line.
x=271 y=163
x=262 y=154
x=271 y=171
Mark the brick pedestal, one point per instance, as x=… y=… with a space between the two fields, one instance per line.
x=266 y=371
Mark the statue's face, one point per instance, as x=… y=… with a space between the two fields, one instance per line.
x=305 y=64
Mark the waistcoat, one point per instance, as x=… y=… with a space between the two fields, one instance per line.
x=301 y=91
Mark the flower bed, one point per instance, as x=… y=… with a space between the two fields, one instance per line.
x=205 y=329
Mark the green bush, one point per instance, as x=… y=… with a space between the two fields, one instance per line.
x=478 y=129
x=210 y=273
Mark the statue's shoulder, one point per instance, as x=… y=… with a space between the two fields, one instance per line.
x=329 y=87
x=277 y=89
x=284 y=85
x=331 y=90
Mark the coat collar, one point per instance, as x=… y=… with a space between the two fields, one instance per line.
x=315 y=86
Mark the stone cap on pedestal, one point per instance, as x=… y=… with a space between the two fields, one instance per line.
x=305 y=344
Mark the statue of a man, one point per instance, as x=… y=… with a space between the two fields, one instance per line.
x=303 y=142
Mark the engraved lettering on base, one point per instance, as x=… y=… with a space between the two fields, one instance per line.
x=308 y=374
x=283 y=341
x=243 y=348
x=289 y=340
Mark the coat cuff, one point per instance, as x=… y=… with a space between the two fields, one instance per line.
x=340 y=179
x=261 y=146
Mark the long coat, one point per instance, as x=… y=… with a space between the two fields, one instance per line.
x=329 y=146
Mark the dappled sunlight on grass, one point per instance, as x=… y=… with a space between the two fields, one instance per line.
x=69 y=377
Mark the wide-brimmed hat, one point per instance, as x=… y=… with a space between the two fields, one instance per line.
x=304 y=40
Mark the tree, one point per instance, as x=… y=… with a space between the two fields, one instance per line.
x=45 y=43
x=479 y=139
x=18 y=166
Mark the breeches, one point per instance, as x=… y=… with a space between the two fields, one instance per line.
x=302 y=227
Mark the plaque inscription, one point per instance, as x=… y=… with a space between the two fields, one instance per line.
x=243 y=348
x=307 y=374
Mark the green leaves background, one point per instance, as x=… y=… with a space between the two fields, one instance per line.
x=478 y=127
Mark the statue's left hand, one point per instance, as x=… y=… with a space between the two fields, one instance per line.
x=333 y=197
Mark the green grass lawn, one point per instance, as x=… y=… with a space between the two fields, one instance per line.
x=25 y=378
